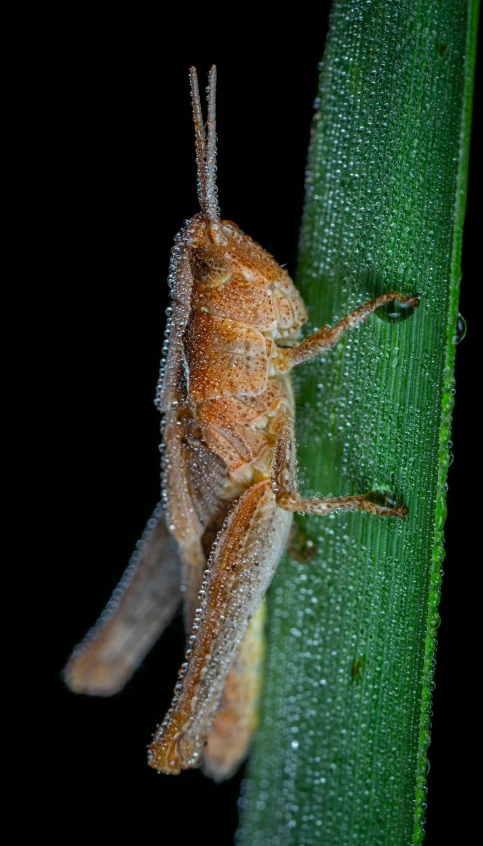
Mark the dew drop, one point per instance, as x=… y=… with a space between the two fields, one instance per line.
x=394 y=312
x=384 y=498
x=460 y=329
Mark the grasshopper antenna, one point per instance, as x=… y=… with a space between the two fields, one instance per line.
x=213 y=212
x=205 y=147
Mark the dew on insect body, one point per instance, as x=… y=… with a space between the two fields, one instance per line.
x=460 y=329
x=395 y=311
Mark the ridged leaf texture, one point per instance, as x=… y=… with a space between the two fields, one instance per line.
x=341 y=755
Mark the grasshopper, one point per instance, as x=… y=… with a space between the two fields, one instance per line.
x=229 y=481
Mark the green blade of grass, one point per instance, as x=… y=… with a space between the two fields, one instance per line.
x=341 y=755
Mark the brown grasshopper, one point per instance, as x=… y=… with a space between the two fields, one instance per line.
x=229 y=482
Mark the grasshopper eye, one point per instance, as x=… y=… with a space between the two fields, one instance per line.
x=209 y=266
x=228 y=224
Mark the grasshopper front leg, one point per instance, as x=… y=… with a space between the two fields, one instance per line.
x=247 y=551
x=326 y=337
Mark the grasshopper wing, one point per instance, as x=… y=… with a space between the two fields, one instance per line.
x=141 y=606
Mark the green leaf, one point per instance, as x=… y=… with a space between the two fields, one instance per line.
x=340 y=757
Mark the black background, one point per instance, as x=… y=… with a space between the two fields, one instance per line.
x=111 y=177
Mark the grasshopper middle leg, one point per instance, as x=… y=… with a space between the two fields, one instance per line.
x=285 y=488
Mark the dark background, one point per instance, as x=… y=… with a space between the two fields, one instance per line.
x=111 y=177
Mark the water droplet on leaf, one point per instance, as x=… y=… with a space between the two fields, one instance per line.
x=384 y=498
x=460 y=328
x=394 y=312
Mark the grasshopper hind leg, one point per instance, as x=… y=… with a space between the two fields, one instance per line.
x=237 y=716
x=247 y=551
